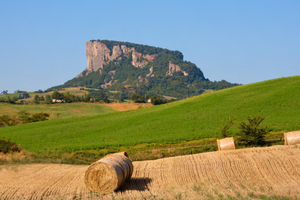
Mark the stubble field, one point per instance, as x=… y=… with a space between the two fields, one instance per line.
x=254 y=173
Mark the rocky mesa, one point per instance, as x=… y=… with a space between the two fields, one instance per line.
x=125 y=67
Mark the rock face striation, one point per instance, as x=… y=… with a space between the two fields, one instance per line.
x=98 y=55
x=175 y=68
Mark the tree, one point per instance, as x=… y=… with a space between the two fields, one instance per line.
x=137 y=98
x=67 y=94
x=86 y=97
x=106 y=100
x=39 y=91
x=252 y=133
x=22 y=102
x=14 y=99
x=225 y=127
x=77 y=99
x=121 y=98
x=25 y=95
x=67 y=97
x=48 y=98
x=134 y=97
x=42 y=98
x=8 y=99
x=36 y=99
x=156 y=100
x=4 y=92
x=57 y=95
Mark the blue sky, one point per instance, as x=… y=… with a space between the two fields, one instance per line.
x=42 y=43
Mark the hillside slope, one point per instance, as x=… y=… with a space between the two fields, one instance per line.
x=194 y=118
x=254 y=173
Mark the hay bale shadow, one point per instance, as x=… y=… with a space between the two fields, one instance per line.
x=139 y=184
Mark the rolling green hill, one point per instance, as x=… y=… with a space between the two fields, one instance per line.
x=189 y=119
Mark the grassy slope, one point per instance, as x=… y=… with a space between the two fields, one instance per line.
x=57 y=110
x=189 y=119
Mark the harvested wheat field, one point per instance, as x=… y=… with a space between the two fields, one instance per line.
x=254 y=173
x=128 y=106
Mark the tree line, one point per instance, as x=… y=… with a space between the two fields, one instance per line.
x=66 y=97
x=155 y=99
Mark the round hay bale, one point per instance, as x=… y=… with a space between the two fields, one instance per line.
x=291 y=138
x=109 y=173
x=123 y=161
x=226 y=143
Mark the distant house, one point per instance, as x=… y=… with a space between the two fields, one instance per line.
x=149 y=101
x=58 y=100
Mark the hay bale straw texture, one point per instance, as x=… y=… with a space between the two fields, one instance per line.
x=109 y=173
x=291 y=138
x=226 y=143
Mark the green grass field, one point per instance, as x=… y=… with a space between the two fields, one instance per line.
x=189 y=119
x=60 y=110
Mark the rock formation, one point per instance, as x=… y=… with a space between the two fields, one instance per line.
x=135 y=68
x=175 y=68
x=98 y=55
x=151 y=72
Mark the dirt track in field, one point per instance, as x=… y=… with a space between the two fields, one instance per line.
x=237 y=174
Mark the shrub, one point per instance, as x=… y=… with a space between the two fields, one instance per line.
x=6 y=120
x=39 y=117
x=156 y=100
x=225 y=127
x=7 y=146
x=252 y=133
x=26 y=117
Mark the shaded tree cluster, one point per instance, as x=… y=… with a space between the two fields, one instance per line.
x=22 y=117
x=4 y=92
x=9 y=99
x=139 y=99
x=8 y=146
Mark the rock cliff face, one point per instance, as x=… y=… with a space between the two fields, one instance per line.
x=98 y=55
x=175 y=68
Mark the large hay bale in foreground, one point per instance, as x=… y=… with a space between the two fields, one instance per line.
x=291 y=138
x=109 y=173
x=226 y=143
